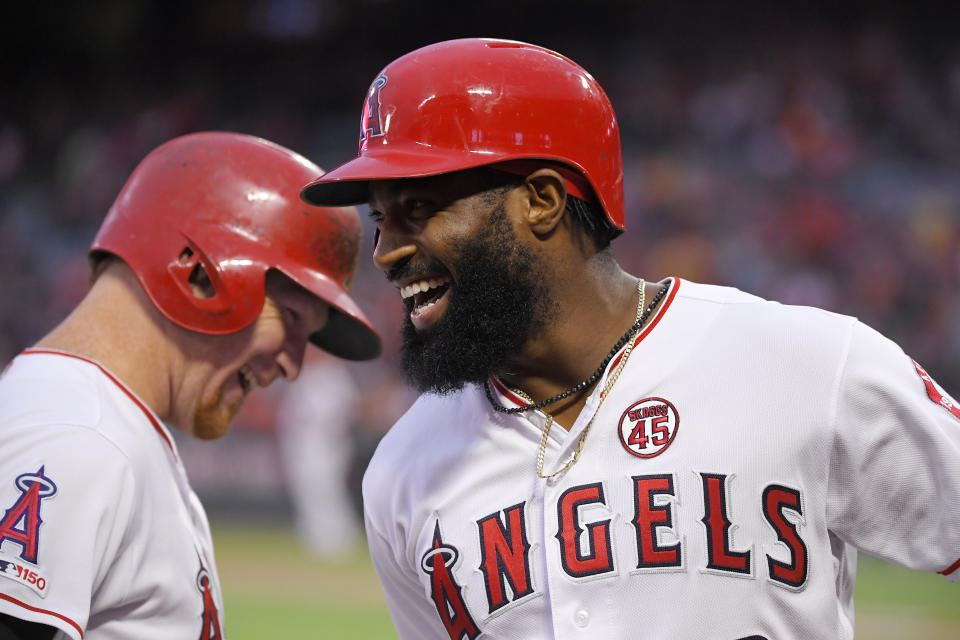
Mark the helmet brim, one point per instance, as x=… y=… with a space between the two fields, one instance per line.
x=349 y=184
x=347 y=333
x=347 y=337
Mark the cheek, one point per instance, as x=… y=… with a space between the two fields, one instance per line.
x=232 y=352
x=269 y=338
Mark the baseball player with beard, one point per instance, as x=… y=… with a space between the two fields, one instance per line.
x=210 y=278
x=596 y=456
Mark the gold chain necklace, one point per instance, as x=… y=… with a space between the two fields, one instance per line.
x=542 y=451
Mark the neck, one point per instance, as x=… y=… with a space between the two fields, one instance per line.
x=116 y=325
x=598 y=313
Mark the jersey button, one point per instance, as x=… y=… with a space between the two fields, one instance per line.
x=581 y=618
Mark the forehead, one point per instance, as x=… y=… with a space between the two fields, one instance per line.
x=444 y=187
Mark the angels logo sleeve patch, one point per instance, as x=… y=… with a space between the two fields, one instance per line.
x=20 y=531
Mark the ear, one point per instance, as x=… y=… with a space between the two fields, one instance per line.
x=547 y=199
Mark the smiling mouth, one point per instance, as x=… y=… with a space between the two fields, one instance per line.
x=247 y=380
x=425 y=293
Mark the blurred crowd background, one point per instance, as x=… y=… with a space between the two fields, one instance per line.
x=809 y=155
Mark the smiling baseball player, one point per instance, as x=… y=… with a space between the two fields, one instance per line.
x=596 y=456
x=210 y=278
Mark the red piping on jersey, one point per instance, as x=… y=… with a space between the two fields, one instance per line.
x=510 y=395
x=514 y=398
x=49 y=613
x=655 y=321
x=135 y=399
x=951 y=568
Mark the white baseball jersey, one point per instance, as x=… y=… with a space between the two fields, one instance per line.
x=101 y=535
x=744 y=455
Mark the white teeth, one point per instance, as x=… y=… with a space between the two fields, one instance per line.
x=423 y=307
x=421 y=286
x=249 y=380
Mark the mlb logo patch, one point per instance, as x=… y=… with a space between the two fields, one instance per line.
x=28 y=577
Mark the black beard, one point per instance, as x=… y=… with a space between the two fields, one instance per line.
x=497 y=304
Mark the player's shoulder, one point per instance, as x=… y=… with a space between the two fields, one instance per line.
x=41 y=388
x=434 y=428
x=58 y=398
x=759 y=315
x=689 y=290
x=429 y=418
x=51 y=417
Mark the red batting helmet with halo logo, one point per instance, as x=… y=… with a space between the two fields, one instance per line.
x=228 y=203
x=475 y=102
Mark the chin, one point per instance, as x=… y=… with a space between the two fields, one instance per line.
x=210 y=430
x=212 y=418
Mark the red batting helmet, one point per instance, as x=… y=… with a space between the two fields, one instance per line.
x=229 y=202
x=467 y=103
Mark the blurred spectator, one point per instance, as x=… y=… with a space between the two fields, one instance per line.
x=314 y=420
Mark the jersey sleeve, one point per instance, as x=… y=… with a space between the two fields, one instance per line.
x=68 y=497
x=894 y=485
x=414 y=616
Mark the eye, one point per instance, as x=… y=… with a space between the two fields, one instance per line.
x=291 y=316
x=375 y=215
x=414 y=204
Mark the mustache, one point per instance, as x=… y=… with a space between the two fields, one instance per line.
x=410 y=271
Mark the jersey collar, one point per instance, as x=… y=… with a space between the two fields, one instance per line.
x=510 y=399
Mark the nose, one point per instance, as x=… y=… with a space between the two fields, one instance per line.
x=290 y=358
x=314 y=316
x=393 y=244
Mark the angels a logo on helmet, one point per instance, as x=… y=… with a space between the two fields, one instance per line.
x=648 y=427
x=372 y=124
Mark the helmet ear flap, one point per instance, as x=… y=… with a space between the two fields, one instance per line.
x=200 y=281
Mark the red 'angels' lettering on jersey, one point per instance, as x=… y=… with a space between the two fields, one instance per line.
x=34 y=487
x=447 y=596
x=210 y=627
x=776 y=498
x=936 y=392
x=586 y=551
x=504 y=557
x=649 y=517
x=715 y=519
x=599 y=558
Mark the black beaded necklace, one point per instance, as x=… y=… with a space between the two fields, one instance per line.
x=593 y=377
